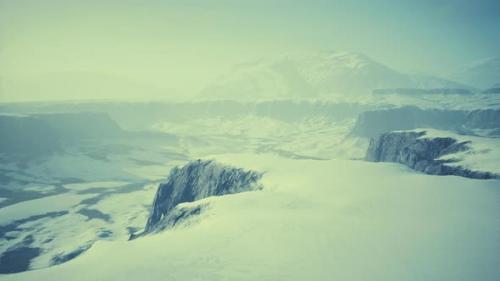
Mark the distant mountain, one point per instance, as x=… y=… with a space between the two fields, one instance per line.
x=481 y=73
x=306 y=75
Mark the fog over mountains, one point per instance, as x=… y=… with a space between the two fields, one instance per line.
x=231 y=140
x=294 y=75
x=483 y=73
x=312 y=75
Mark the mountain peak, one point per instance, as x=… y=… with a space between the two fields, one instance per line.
x=312 y=75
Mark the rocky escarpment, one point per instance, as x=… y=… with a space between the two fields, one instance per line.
x=421 y=153
x=196 y=180
x=44 y=133
x=477 y=122
x=417 y=91
x=26 y=134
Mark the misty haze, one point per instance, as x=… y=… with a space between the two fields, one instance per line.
x=249 y=140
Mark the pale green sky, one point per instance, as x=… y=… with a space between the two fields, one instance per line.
x=182 y=45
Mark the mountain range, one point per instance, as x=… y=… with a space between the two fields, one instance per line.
x=316 y=74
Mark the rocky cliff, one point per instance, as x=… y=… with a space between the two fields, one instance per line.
x=421 y=153
x=477 y=122
x=44 y=133
x=196 y=180
x=417 y=91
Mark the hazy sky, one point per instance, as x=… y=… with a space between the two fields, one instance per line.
x=182 y=45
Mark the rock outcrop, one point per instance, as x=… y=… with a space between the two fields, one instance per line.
x=483 y=119
x=477 y=122
x=44 y=133
x=421 y=153
x=417 y=91
x=196 y=180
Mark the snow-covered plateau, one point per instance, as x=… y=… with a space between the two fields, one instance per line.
x=326 y=166
x=315 y=220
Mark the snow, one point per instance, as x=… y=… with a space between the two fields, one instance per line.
x=89 y=185
x=483 y=155
x=89 y=195
x=315 y=220
x=313 y=137
x=47 y=204
x=127 y=210
x=77 y=165
x=40 y=188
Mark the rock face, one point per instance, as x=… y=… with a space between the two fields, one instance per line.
x=417 y=91
x=44 y=133
x=376 y=122
x=420 y=153
x=196 y=180
x=495 y=90
x=483 y=119
x=26 y=134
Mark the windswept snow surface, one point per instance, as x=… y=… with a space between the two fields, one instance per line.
x=315 y=220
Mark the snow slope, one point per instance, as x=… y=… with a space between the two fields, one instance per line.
x=315 y=220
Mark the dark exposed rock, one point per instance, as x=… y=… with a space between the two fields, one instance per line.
x=95 y=214
x=421 y=153
x=17 y=259
x=15 y=225
x=179 y=215
x=64 y=257
x=196 y=180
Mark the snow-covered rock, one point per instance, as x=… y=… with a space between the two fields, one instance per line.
x=422 y=153
x=196 y=180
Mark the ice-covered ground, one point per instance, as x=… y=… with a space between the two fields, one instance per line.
x=315 y=220
x=60 y=225
x=59 y=205
x=315 y=137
